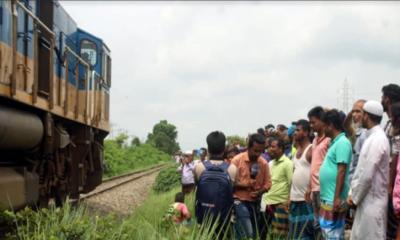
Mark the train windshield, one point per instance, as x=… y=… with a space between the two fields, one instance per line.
x=89 y=52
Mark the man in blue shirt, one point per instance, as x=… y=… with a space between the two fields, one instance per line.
x=334 y=178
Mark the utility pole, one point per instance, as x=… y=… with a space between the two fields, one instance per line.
x=345 y=96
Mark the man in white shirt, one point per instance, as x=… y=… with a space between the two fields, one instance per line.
x=371 y=178
x=187 y=169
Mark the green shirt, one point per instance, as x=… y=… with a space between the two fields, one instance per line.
x=339 y=151
x=281 y=177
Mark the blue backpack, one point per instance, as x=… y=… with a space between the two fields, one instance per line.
x=214 y=194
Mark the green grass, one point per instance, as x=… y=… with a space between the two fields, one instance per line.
x=66 y=223
x=69 y=223
x=120 y=159
x=146 y=221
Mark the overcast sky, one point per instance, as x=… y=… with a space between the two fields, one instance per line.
x=237 y=66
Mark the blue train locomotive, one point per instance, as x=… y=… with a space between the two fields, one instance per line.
x=55 y=81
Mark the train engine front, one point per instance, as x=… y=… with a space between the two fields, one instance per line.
x=55 y=81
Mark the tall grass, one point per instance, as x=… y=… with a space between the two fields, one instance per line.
x=146 y=221
x=77 y=223
x=60 y=223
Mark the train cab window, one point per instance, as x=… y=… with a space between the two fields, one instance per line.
x=89 y=52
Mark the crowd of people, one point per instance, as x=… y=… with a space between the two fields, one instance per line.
x=311 y=180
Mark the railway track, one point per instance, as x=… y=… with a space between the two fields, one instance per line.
x=114 y=183
x=110 y=195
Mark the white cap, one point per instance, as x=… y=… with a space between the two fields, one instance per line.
x=374 y=108
x=188 y=152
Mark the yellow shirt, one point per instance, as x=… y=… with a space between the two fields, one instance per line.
x=282 y=172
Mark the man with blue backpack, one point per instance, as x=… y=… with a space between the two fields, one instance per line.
x=214 y=180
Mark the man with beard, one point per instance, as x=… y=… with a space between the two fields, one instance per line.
x=357 y=136
x=360 y=134
x=369 y=184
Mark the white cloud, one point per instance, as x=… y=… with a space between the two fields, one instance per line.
x=236 y=66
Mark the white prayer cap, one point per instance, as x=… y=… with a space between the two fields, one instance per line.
x=188 y=152
x=374 y=108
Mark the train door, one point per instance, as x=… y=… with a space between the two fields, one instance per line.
x=26 y=33
x=105 y=86
x=90 y=49
x=6 y=39
x=45 y=13
x=23 y=39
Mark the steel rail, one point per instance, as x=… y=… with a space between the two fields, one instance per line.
x=132 y=173
x=140 y=174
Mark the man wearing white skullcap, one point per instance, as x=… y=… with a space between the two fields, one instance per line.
x=371 y=178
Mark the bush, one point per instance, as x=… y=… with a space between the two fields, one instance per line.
x=167 y=179
x=120 y=159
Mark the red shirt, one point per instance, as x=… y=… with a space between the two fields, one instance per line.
x=183 y=212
